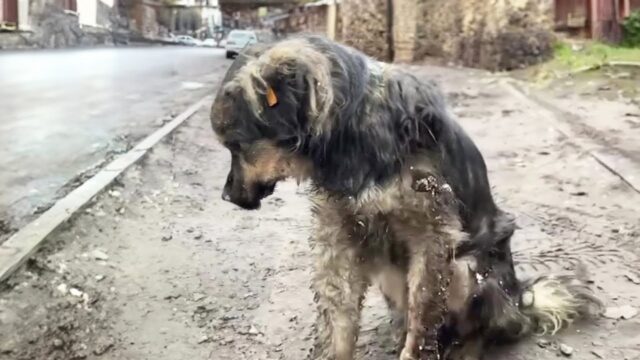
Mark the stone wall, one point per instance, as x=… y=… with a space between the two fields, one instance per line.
x=365 y=27
x=491 y=34
x=53 y=27
x=143 y=20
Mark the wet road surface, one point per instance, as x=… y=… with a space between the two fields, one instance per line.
x=65 y=111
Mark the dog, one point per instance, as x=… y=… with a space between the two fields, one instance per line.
x=400 y=196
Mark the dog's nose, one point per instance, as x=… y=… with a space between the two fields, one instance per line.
x=225 y=196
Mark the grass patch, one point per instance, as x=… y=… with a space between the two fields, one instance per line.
x=573 y=57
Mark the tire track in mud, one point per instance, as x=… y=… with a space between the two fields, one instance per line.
x=556 y=241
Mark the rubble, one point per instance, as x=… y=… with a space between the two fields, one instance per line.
x=63 y=288
x=99 y=255
x=625 y=312
x=75 y=292
x=566 y=350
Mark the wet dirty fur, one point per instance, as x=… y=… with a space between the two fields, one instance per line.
x=400 y=192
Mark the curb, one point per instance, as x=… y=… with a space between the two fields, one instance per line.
x=19 y=247
x=614 y=162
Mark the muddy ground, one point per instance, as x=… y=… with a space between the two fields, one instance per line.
x=158 y=267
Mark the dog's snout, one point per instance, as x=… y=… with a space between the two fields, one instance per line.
x=226 y=196
x=229 y=181
x=228 y=186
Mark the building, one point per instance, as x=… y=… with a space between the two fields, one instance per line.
x=23 y=15
x=593 y=19
x=193 y=17
x=312 y=17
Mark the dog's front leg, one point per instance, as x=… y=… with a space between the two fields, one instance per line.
x=427 y=281
x=339 y=285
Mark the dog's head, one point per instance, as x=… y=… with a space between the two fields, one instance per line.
x=309 y=107
x=263 y=114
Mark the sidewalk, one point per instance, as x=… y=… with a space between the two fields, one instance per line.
x=160 y=268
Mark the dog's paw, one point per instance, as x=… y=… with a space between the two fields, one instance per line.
x=407 y=354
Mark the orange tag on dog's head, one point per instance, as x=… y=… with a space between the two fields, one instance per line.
x=272 y=99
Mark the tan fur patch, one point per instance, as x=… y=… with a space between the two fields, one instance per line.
x=264 y=162
x=393 y=284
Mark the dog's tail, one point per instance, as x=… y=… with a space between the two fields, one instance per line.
x=552 y=303
x=544 y=306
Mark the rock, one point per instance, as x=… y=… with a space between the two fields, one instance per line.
x=172 y=296
x=253 y=330
x=625 y=312
x=167 y=237
x=543 y=343
x=566 y=350
x=203 y=339
x=103 y=346
x=63 y=288
x=8 y=346
x=99 y=277
x=57 y=343
x=198 y=296
x=226 y=317
x=633 y=278
x=99 y=255
x=115 y=193
x=579 y=193
x=597 y=353
x=75 y=292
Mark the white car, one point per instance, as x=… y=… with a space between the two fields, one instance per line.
x=209 y=42
x=238 y=40
x=187 y=40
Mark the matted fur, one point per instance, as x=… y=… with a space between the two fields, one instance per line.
x=286 y=58
x=556 y=301
x=400 y=194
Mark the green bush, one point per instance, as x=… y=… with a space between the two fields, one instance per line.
x=631 y=26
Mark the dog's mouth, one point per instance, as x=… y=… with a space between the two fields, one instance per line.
x=260 y=191
x=264 y=189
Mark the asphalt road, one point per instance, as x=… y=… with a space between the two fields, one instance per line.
x=64 y=111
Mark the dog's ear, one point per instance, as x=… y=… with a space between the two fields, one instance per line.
x=296 y=73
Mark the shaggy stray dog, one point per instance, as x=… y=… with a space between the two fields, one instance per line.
x=401 y=199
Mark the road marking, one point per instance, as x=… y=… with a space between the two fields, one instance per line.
x=19 y=247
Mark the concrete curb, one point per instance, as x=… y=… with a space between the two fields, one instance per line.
x=610 y=159
x=19 y=247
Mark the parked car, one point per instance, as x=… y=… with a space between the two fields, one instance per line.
x=209 y=42
x=187 y=40
x=238 y=40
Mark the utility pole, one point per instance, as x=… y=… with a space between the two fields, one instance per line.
x=332 y=19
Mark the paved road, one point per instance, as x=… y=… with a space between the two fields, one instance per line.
x=64 y=111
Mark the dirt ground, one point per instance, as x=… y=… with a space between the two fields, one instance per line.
x=160 y=267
